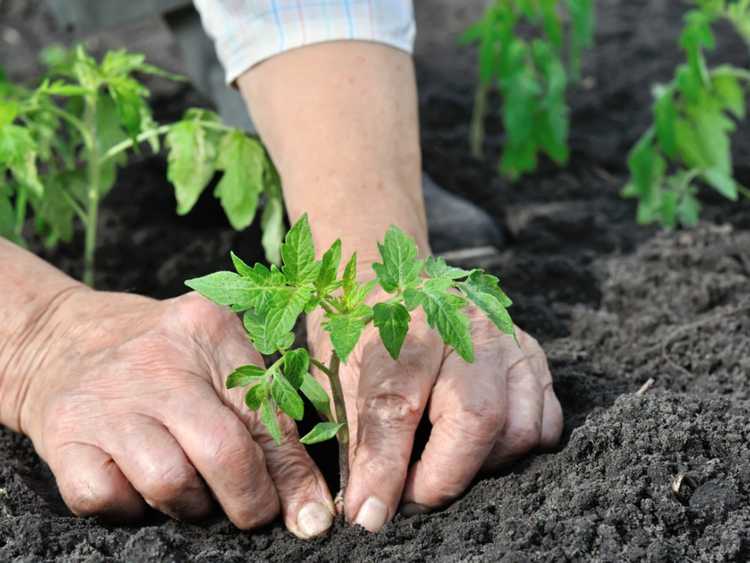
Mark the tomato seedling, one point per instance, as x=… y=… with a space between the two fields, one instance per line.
x=694 y=115
x=272 y=299
x=531 y=74
x=62 y=143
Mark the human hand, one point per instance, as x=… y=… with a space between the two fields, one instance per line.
x=483 y=415
x=126 y=402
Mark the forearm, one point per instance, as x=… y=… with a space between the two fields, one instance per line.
x=341 y=124
x=31 y=291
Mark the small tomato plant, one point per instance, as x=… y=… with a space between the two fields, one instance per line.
x=694 y=116
x=272 y=299
x=62 y=143
x=531 y=76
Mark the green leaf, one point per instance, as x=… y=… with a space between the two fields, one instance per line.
x=443 y=310
x=392 y=321
x=283 y=310
x=286 y=397
x=329 y=269
x=321 y=432
x=484 y=290
x=226 y=288
x=438 y=268
x=270 y=420
x=18 y=152
x=242 y=159
x=316 y=395
x=245 y=375
x=296 y=365
x=400 y=268
x=728 y=89
x=688 y=210
x=349 y=279
x=298 y=254
x=345 y=329
x=241 y=266
x=256 y=395
x=665 y=114
x=128 y=96
x=722 y=183
x=191 y=162
x=264 y=342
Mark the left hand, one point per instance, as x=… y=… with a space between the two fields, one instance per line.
x=484 y=414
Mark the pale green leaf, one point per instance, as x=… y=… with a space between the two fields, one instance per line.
x=191 y=162
x=484 y=290
x=298 y=254
x=270 y=420
x=329 y=268
x=438 y=268
x=443 y=310
x=245 y=375
x=242 y=159
x=296 y=365
x=400 y=267
x=345 y=331
x=286 y=397
x=256 y=395
x=321 y=432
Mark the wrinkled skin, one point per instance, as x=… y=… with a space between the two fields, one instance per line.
x=483 y=415
x=128 y=407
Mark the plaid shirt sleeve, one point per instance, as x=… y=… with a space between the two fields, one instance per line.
x=246 y=32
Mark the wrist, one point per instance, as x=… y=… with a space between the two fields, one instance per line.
x=26 y=345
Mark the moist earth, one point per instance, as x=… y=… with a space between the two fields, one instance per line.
x=614 y=305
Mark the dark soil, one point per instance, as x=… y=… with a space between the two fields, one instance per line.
x=614 y=305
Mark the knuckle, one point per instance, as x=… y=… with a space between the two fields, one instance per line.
x=524 y=437
x=168 y=482
x=392 y=410
x=261 y=511
x=480 y=422
x=88 y=499
x=195 y=311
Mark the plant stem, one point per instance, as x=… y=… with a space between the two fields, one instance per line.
x=476 y=130
x=92 y=203
x=21 y=203
x=343 y=433
x=128 y=143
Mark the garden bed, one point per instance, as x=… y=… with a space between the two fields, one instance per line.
x=613 y=304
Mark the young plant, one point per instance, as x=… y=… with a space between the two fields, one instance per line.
x=530 y=75
x=272 y=299
x=689 y=144
x=62 y=143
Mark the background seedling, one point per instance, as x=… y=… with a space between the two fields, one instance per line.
x=272 y=299
x=62 y=143
x=689 y=144
x=530 y=74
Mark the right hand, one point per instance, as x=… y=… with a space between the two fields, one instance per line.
x=126 y=403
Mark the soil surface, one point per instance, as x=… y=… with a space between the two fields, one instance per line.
x=614 y=305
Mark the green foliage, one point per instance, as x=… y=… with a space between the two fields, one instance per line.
x=272 y=300
x=689 y=144
x=62 y=142
x=529 y=72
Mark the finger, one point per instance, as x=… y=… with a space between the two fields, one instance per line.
x=467 y=410
x=221 y=448
x=306 y=503
x=391 y=399
x=552 y=420
x=91 y=484
x=523 y=426
x=157 y=467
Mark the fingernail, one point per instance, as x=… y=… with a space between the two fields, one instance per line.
x=414 y=508
x=314 y=519
x=372 y=515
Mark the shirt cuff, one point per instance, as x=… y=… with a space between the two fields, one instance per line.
x=246 y=32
